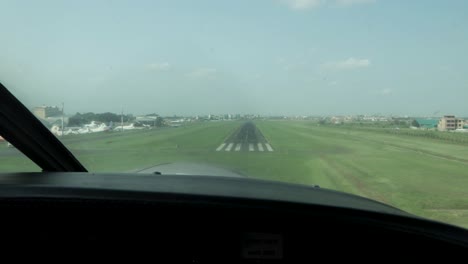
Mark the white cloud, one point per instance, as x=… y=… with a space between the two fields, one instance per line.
x=203 y=73
x=333 y=83
x=288 y=67
x=309 y=4
x=280 y=60
x=302 y=4
x=348 y=64
x=159 y=66
x=353 y=2
x=386 y=91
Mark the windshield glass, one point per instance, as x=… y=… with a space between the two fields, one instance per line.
x=367 y=97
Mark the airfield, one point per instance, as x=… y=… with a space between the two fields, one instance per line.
x=424 y=176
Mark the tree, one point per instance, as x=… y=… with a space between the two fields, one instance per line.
x=415 y=123
x=107 y=117
x=80 y=119
x=76 y=120
x=159 y=121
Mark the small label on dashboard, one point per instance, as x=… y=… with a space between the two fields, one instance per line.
x=262 y=246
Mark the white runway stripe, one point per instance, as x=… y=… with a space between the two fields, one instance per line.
x=221 y=147
x=229 y=147
x=238 y=146
x=260 y=147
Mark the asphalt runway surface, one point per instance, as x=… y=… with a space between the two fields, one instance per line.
x=247 y=138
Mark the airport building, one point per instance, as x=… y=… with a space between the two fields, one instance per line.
x=450 y=122
x=147 y=120
x=45 y=112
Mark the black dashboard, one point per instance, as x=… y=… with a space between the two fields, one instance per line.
x=211 y=220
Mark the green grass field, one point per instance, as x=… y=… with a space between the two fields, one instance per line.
x=424 y=176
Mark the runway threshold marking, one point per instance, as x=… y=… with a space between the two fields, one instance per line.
x=247 y=137
x=260 y=147
x=238 y=146
x=221 y=147
x=229 y=147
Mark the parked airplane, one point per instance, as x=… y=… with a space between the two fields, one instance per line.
x=92 y=127
x=131 y=127
x=56 y=130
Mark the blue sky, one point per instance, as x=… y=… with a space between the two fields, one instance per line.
x=247 y=56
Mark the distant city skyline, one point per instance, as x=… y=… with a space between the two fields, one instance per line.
x=434 y=114
x=271 y=57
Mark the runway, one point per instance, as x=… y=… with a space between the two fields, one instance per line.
x=246 y=138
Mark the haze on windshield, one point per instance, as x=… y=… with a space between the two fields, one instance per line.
x=265 y=57
x=367 y=97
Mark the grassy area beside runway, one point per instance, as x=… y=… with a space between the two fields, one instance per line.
x=134 y=150
x=424 y=176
